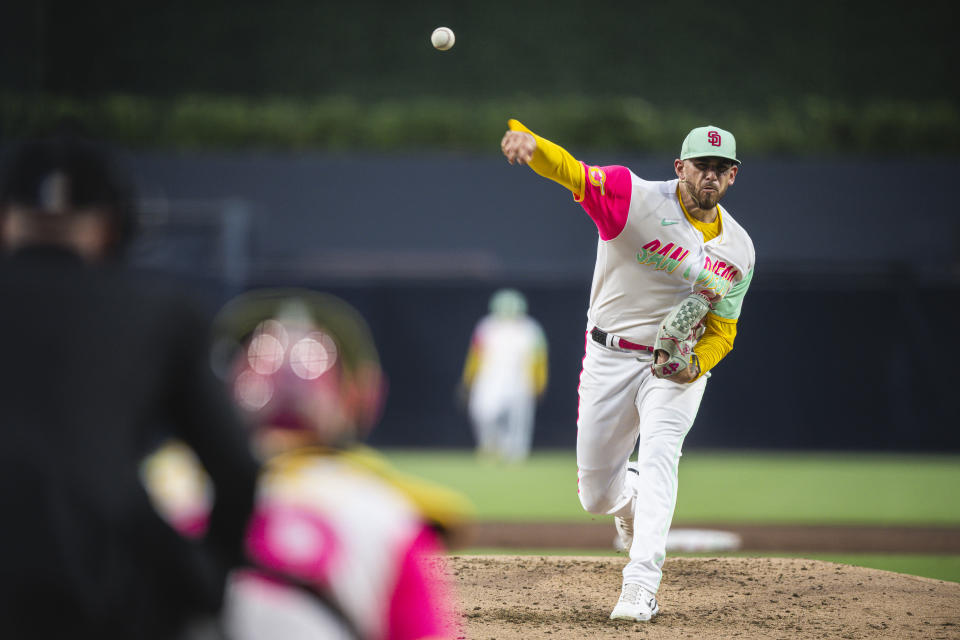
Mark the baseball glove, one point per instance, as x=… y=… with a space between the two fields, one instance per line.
x=677 y=335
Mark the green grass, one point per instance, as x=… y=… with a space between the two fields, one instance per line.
x=731 y=487
x=721 y=487
x=543 y=488
x=820 y=488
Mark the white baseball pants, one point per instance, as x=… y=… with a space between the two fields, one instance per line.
x=503 y=426
x=622 y=404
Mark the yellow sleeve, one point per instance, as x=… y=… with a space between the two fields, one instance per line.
x=447 y=508
x=716 y=342
x=471 y=366
x=553 y=161
x=540 y=371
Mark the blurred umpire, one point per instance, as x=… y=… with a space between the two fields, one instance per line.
x=96 y=361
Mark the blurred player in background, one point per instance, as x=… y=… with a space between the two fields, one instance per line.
x=98 y=360
x=505 y=373
x=340 y=545
x=663 y=247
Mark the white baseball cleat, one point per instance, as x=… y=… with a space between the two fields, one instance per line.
x=636 y=603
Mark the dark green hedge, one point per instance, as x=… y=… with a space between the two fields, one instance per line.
x=809 y=126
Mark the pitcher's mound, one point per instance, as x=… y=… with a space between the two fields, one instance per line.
x=567 y=598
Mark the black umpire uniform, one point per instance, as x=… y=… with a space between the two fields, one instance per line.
x=96 y=362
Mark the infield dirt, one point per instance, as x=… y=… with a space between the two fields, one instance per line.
x=566 y=598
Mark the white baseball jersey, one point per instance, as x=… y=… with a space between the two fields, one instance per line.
x=507 y=349
x=649 y=257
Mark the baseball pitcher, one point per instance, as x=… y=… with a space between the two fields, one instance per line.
x=672 y=270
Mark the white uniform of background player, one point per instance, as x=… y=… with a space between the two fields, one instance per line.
x=505 y=372
x=651 y=255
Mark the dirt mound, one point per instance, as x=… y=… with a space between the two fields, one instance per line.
x=565 y=598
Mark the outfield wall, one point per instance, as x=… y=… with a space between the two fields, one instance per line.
x=841 y=375
x=844 y=223
x=845 y=341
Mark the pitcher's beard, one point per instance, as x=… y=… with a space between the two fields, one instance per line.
x=707 y=200
x=703 y=201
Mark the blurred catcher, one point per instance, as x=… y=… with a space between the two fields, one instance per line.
x=341 y=545
x=505 y=372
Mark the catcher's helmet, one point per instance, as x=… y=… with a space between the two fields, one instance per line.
x=301 y=362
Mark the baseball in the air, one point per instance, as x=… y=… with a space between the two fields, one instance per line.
x=442 y=38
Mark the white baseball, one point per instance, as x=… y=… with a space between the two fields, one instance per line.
x=442 y=38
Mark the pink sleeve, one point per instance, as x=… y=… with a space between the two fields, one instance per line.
x=421 y=606
x=606 y=198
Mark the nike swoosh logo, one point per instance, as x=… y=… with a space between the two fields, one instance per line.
x=667 y=223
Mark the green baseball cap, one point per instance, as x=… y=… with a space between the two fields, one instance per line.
x=709 y=141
